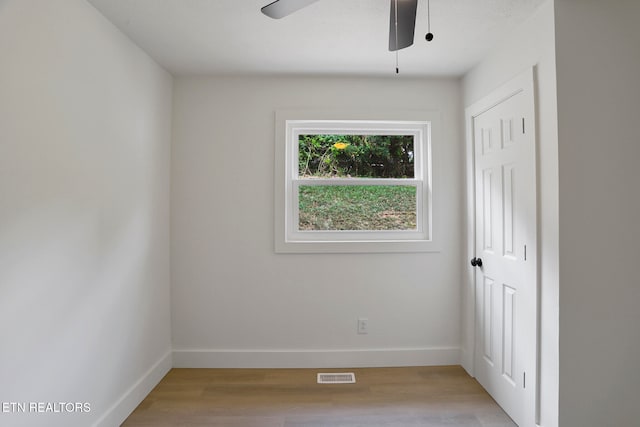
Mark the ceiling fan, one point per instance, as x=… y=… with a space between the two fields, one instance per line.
x=402 y=20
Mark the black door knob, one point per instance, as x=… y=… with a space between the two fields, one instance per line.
x=476 y=262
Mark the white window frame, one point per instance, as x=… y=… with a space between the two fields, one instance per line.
x=291 y=124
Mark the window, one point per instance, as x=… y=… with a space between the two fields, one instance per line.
x=356 y=184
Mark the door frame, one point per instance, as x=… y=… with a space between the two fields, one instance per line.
x=524 y=81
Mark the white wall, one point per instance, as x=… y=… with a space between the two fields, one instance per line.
x=237 y=303
x=531 y=45
x=84 y=214
x=599 y=149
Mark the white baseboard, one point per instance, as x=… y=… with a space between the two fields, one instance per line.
x=124 y=406
x=191 y=358
x=466 y=360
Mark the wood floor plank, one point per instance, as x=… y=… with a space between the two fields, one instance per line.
x=398 y=397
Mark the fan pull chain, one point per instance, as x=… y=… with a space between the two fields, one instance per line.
x=396 y=16
x=429 y=35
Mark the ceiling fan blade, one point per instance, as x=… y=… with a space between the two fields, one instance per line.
x=281 y=8
x=406 y=23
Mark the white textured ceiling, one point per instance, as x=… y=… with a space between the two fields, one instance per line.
x=341 y=37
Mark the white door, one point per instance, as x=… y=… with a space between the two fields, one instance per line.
x=506 y=280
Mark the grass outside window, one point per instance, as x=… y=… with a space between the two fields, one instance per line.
x=357 y=207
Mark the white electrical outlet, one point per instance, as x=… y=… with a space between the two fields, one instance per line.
x=363 y=325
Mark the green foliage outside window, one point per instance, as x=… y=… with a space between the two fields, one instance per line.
x=358 y=156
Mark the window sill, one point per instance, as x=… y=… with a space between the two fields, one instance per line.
x=385 y=246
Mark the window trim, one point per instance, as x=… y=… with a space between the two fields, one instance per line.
x=292 y=123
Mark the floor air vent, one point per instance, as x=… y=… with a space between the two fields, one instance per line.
x=341 y=378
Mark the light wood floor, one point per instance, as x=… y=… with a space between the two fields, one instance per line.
x=390 y=397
